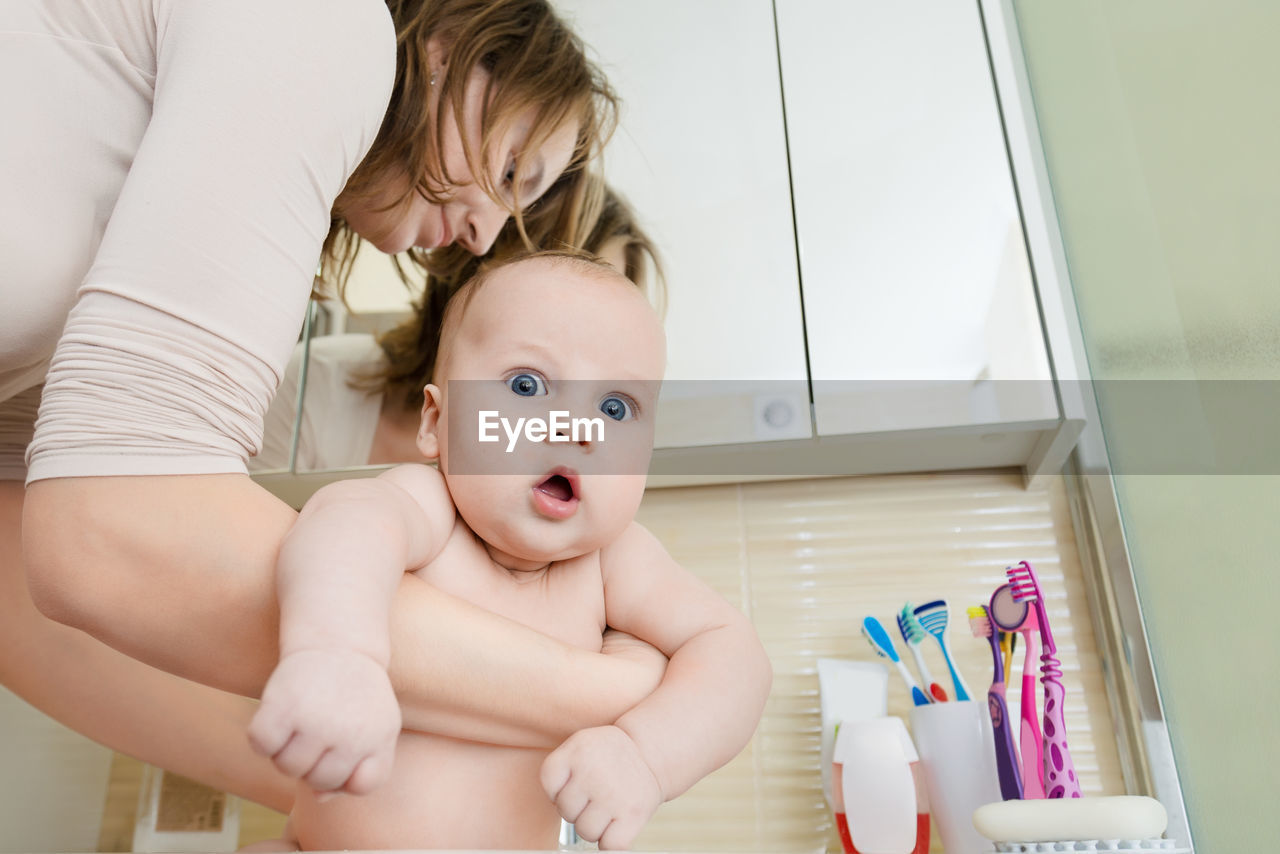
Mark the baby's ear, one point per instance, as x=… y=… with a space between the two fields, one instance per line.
x=429 y=426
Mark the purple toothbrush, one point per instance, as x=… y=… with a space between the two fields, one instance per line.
x=1059 y=773
x=1001 y=726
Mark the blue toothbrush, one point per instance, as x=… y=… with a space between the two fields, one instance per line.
x=933 y=616
x=879 y=640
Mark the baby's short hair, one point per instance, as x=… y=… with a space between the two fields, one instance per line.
x=456 y=308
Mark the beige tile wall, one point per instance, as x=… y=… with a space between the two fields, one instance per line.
x=807 y=560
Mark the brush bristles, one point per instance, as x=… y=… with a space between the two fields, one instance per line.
x=933 y=621
x=980 y=626
x=912 y=632
x=1022 y=583
x=1024 y=593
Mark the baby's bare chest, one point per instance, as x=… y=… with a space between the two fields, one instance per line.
x=564 y=601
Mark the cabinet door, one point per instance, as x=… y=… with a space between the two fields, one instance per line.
x=701 y=155
x=918 y=296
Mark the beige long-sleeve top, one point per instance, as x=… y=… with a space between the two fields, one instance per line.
x=168 y=168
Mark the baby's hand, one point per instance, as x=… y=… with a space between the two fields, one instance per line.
x=330 y=718
x=598 y=780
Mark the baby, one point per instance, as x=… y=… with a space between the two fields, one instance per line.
x=542 y=419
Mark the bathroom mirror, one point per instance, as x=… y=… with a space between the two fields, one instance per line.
x=836 y=219
x=919 y=302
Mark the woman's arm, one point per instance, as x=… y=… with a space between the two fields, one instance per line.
x=191 y=729
x=178 y=572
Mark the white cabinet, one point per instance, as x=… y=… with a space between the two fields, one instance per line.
x=919 y=310
x=919 y=302
x=701 y=155
x=924 y=338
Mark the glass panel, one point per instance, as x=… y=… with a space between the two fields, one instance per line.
x=1160 y=132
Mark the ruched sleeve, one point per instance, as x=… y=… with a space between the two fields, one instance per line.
x=181 y=330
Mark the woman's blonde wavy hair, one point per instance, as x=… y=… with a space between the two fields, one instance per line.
x=533 y=59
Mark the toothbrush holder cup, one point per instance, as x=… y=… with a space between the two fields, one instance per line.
x=954 y=742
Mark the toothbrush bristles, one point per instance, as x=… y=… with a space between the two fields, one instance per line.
x=1022 y=583
x=933 y=620
x=909 y=626
x=1023 y=591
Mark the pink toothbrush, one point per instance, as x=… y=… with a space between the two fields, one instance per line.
x=1014 y=616
x=1059 y=772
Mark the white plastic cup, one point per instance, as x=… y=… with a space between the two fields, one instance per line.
x=958 y=760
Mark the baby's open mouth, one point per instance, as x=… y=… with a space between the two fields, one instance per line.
x=556 y=495
x=557 y=486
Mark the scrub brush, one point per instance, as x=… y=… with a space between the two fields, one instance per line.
x=913 y=635
x=933 y=616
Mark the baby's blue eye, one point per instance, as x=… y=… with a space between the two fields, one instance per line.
x=617 y=408
x=527 y=385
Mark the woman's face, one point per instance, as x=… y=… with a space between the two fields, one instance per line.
x=471 y=218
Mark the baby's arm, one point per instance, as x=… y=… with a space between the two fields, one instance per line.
x=609 y=780
x=328 y=712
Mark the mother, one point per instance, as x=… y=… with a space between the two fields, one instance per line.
x=173 y=169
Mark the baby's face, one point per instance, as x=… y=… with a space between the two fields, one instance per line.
x=578 y=350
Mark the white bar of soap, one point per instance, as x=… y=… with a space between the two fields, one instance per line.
x=1053 y=820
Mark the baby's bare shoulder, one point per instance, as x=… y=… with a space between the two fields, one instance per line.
x=425 y=485
x=414 y=475
x=423 y=507
x=635 y=544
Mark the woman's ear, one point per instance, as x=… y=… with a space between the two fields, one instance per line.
x=437 y=55
x=429 y=425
